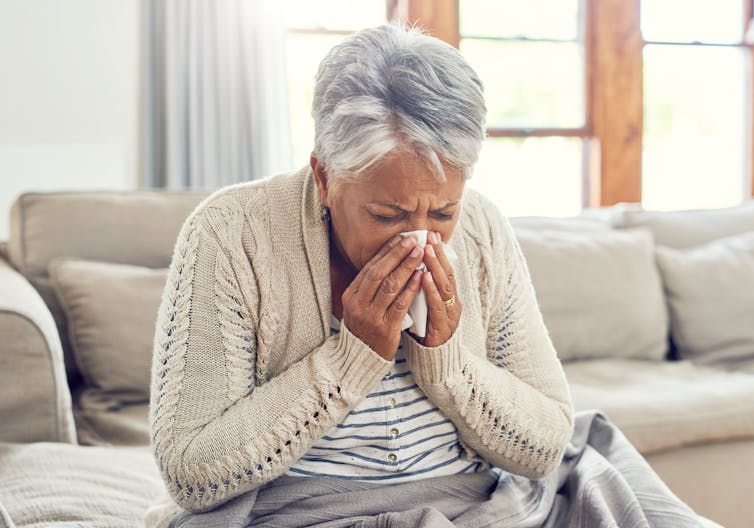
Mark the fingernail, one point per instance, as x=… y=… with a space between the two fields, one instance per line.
x=416 y=251
x=430 y=251
x=416 y=275
x=433 y=237
x=394 y=240
x=429 y=276
x=408 y=241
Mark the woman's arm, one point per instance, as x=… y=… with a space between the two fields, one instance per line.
x=511 y=405
x=215 y=434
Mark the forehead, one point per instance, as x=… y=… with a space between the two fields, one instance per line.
x=400 y=178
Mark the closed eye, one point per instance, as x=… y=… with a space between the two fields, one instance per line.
x=442 y=216
x=387 y=219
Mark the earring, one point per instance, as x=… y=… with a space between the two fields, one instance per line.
x=324 y=214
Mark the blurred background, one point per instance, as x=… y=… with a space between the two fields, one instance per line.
x=591 y=102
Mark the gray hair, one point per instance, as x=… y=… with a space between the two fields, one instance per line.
x=395 y=88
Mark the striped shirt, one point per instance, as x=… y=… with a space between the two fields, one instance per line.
x=394 y=434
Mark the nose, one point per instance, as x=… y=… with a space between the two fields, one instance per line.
x=420 y=225
x=416 y=228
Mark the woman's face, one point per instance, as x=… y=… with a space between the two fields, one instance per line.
x=399 y=194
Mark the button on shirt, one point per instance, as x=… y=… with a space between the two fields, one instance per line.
x=394 y=434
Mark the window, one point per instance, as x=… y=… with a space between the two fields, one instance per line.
x=530 y=57
x=694 y=104
x=591 y=102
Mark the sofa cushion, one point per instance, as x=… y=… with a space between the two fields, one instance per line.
x=611 y=214
x=664 y=404
x=111 y=311
x=110 y=419
x=572 y=223
x=52 y=484
x=127 y=227
x=683 y=229
x=599 y=292
x=710 y=291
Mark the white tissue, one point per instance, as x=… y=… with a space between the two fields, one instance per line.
x=416 y=318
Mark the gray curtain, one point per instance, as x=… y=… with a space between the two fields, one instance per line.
x=214 y=93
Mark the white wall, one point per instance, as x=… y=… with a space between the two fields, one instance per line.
x=69 y=96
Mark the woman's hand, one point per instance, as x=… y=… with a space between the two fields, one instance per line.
x=439 y=285
x=377 y=300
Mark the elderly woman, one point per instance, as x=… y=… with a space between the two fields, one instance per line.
x=316 y=364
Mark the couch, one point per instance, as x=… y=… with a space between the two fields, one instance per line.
x=612 y=284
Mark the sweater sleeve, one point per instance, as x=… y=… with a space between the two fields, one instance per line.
x=216 y=430
x=511 y=404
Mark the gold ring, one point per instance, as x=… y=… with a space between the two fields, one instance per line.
x=450 y=302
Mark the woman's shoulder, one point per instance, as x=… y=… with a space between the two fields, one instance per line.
x=251 y=201
x=483 y=221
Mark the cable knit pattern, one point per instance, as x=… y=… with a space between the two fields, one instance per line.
x=171 y=333
x=507 y=323
x=236 y=327
x=246 y=376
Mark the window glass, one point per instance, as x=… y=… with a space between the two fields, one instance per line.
x=715 y=21
x=693 y=127
x=529 y=84
x=544 y=19
x=531 y=176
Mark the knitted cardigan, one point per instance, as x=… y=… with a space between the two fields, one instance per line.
x=246 y=376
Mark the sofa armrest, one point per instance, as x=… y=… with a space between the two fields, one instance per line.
x=35 y=403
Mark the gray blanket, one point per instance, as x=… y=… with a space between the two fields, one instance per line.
x=602 y=481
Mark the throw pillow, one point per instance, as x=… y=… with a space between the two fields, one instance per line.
x=599 y=292
x=710 y=292
x=683 y=229
x=111 y=310
x=573 y=223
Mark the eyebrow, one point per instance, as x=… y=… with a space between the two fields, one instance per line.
x=401 y=210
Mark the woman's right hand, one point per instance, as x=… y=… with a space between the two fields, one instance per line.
x=377 y=300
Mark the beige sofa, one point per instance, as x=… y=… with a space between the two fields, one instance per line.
x=74 y=433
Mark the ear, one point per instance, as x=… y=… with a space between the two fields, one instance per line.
x=320 y=178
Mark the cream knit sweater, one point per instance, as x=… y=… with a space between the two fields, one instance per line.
x=245 y=374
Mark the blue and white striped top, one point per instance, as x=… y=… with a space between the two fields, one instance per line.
x=394 y=434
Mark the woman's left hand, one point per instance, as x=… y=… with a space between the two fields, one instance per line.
x=439 y=285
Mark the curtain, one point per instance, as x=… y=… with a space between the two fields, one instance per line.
x=214 y=93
